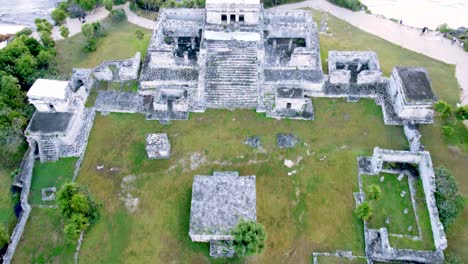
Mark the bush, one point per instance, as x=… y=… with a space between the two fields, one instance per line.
x=444 y=28
x=249 y=238
x=444 y=109
x=91 y=46
x=119 y=2
x=462 y=112
x=354 y=5
x=108 y=4
x=373 y=192
x=364 y=211
x=24 y=32
x=59 y=16
x=448 y=130
x=4 y=237
x=465 y=46
x=75 y=11
x=448 y=199
x=64 y=32
x=118 y=15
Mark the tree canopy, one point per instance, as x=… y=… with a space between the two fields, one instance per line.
x=364 y=211
x=249 y=238
x=448 y=199
x=373 y=192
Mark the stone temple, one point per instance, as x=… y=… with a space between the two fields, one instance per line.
x=232 y=54
x=219 y=202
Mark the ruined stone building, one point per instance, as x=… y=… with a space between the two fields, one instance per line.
x=61 y=122
x=232 y=54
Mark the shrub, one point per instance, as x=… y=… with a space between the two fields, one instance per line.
x=64 y=32
x=59 y=16
x=4 y=238
x=119 y=2
x=373 y=192
x=364 y=211
x=75 y=199
x=444 y=109
x=465 y=46
x=354 y=5
x=249 y=238
x=448 y=130
x=448 y=199
x=118 y=15
x=108 y=4
x=462 y=112
x=75 y=11
x=444 y=28
x=24 y=32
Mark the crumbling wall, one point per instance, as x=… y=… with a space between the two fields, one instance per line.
x=125 y=70
x=413 y=136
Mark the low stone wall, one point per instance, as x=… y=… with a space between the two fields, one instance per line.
x=26 y=175
x=125 y=70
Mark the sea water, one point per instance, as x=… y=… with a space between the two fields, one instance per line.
x=423 y=13
x=16 y=14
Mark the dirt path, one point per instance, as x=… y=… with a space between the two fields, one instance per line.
x=431 y=44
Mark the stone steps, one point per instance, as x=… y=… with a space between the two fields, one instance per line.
x=231 y=75
x=48 y=148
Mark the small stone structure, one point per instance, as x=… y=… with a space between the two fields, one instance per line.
x=359 y=67
x=219 y=202
x=118 y=70
x=286 y=140
x=60 y=118
x=48 y=194
x=378 y=247
x=158 y=146
x=411 y=94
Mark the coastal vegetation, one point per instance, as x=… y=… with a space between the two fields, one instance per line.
x=448 y=199
x=354 y=5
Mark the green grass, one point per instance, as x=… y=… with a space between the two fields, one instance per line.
x=392 y=205
x=7 y=201
x=338 y=260
x=119 y=43
x=43 y=239
x=50 y=174
x=301 y=213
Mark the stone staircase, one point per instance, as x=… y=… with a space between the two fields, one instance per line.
x=48 y=148
x=231 y=78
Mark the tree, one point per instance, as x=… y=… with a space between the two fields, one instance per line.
x=75 y=199
x=59 y=16
x=77 y=224
x=448 y=130
x=462 y=112
x=87 y=5
x=88 y=31
x=118 y=15
x=10 y=92
x=364 y=211
x=249 y=238
x=373 y=192
x=444 y=109
x=4 y=238
x=108 y=4
x=448 y=199
x=64 y=32
x=26 y=67
x=139 y=35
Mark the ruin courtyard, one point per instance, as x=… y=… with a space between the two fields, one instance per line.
x=241 y=92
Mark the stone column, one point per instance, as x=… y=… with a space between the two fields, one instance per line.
x=290 y=44
x=192 y=41
x=274 y=44
x=176 y=41
x=186 y=59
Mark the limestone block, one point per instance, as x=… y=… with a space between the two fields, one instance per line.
x=103 y=74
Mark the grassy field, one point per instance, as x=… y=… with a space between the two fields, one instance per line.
x=43 y=239
x=338 y=260
x=309 y=211
x=392 y=206
x=119 y=43
x=50 y=174
x=7 y=201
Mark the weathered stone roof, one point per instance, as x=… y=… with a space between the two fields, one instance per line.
x=44 y=88
x=49 y=122
x=416 y=85
x=220 y=201
x=294 y=93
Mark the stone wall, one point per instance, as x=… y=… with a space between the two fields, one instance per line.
x=125 y=70
x=26 y=174
x=413 y=136
x=426 y=173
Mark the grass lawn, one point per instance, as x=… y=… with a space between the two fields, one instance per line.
x=119 y=43
x=338 y=260
x=310 y=211
x=7 y=201
x=392 y=206
x=50 y=174
x=43 y=239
